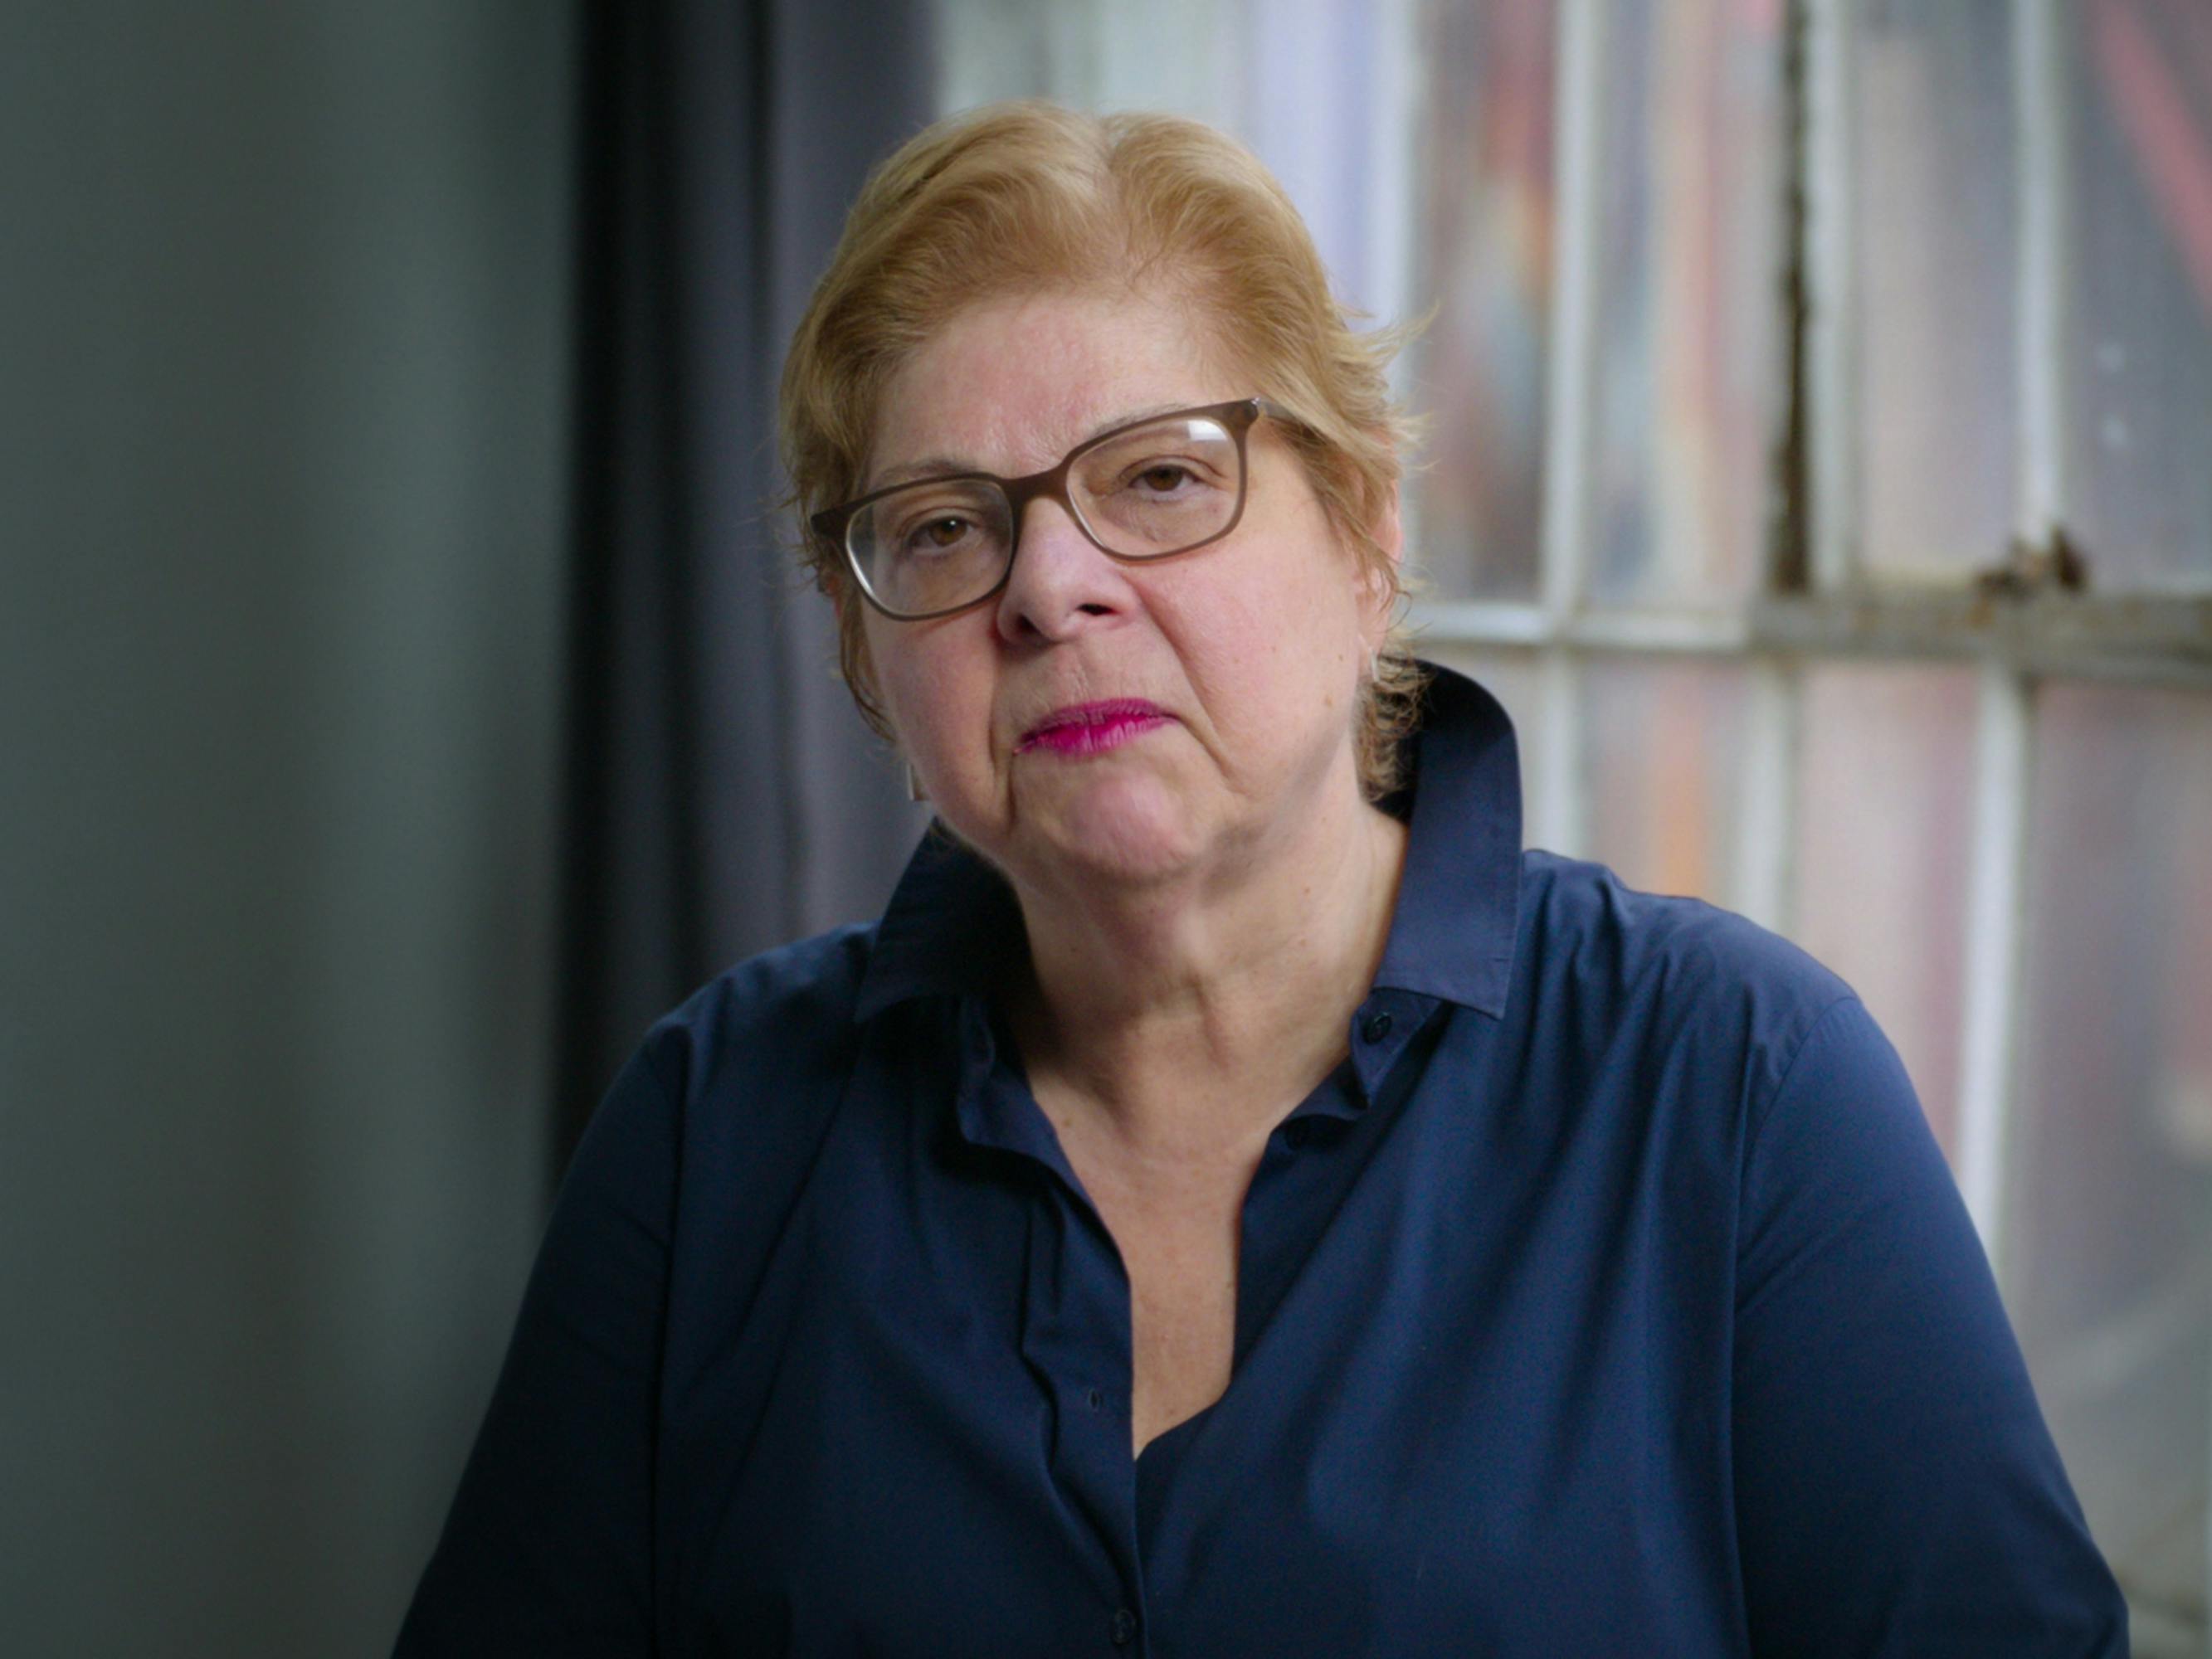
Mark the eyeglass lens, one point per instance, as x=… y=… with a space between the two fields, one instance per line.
x=1162 y=488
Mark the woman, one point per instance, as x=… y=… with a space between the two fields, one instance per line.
x=1234 y=1201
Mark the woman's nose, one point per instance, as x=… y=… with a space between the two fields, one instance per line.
x=1061 y=581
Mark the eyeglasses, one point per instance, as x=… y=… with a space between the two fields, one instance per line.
x=1154 y=487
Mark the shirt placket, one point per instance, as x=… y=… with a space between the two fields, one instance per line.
x=1076 y=1340
x=1075 y=1329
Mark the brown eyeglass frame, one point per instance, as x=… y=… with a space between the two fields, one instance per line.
x=833 y=524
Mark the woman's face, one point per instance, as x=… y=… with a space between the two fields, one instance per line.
x=1250 y=649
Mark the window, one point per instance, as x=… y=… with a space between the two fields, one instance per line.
x=1820 y=470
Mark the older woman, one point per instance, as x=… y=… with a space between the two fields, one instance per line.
x=1234 y=1201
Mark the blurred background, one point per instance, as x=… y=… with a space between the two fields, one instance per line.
x=406 y=694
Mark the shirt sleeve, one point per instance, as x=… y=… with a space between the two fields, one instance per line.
x=547 y=1550
x=1897 y=1491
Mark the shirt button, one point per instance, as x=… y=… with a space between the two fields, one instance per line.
x=1125 y=1628
x=1376 y=1026
x=1098 y=1400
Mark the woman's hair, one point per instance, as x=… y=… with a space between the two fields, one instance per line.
x=1025 y=198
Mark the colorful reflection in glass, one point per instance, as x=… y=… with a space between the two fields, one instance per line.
x=1484 y=260
x=1661 y=743
x=1691 y=364
x=1884 y=822
x=2139 y=353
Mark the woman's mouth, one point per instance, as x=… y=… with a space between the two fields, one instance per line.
x=1091 y=728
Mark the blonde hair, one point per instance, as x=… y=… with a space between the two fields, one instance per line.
x=1024 y=197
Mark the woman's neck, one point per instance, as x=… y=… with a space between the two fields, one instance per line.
x=1193 y=1012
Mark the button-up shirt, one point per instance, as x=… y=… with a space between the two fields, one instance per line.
x=1610 y=1298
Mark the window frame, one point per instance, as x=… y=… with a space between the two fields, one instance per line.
x=2015 y=624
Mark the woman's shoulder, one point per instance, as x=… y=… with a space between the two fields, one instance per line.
x=1675 y=969
x=765 y=1026
x=1584 y=909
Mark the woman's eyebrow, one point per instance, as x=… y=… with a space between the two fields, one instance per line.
x=945 y=466
x=932 y=466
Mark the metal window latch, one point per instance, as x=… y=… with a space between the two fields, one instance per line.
x=2053 y=564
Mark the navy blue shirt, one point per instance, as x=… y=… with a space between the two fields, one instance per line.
x=1610 y=1297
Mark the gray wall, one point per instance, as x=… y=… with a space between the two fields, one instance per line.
x=282 y=347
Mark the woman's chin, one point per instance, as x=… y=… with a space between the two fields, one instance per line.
x=1132 y=828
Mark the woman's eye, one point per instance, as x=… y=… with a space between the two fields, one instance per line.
x=936 y=535
x=1162 y=477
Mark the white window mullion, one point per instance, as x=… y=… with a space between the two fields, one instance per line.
x=1765 y=877
x=1991 y=1004
x=1571 y=387
x=1832 y=322
x=1399 y=114
x=1558 y=808
x=2041 y=128
x=1484 y=622
x=1558 y=818
x=2005 y=740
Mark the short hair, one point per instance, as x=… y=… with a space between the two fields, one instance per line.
x=1025 y=197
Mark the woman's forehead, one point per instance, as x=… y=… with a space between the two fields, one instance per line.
x=1011 y=385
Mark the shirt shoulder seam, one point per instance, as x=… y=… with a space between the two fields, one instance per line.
x=1762 y=1113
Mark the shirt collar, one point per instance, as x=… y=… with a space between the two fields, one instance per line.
x=953 y=923
x=1458 y=901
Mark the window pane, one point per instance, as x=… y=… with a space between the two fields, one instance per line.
x=1936 y=255
x=1689 y=269
x=1884 y=818
x=1485 y=259
x=2110 y=1243
x=2139 y=359
x=1661 y=743
x=1321 y=110
x=1309 y=87
x=1093 y=54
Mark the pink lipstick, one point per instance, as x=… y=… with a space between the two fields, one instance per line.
x=1091 y=728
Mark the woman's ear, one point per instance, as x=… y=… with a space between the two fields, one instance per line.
x=1389 y=528
x=1388 y=531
